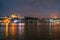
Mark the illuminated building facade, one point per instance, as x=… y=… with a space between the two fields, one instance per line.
x=52 y=24
x=20 y=25
x=26 y=25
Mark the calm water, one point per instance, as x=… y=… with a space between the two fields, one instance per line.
x=44 y=31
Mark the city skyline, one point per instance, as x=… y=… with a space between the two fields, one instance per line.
x=34 y=8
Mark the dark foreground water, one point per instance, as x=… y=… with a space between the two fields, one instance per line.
x=44 y=31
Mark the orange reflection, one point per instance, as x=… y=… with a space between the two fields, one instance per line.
x=13 y=29
x=6 y=21
x=6 y=29
x=55 y=28
x=55 y=24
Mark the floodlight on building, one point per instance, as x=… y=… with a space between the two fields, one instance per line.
x=21 y=24
x=51 y=20
x=15 y=21
x=13 y=16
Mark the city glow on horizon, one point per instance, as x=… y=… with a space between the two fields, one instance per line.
x=54 y=15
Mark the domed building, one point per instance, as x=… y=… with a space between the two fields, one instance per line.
x=20 y=25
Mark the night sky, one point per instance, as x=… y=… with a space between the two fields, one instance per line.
x=34 y=8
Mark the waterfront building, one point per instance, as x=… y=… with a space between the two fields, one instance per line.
x=26 y=25
x=52 y=25
x=21 y=25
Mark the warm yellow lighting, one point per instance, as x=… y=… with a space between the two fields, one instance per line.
x=14 y=15
x=58 y=22
x=6 y=20
x=55 y=22
x=6 y=29
x=13 y=29
x=55 y=17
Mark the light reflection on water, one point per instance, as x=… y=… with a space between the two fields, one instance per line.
x=20 y=32
x=11 y=32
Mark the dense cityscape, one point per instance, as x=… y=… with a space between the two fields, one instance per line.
x=17 y=27
x=29 y=19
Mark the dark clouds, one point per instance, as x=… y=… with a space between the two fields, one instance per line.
x=30 y=7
